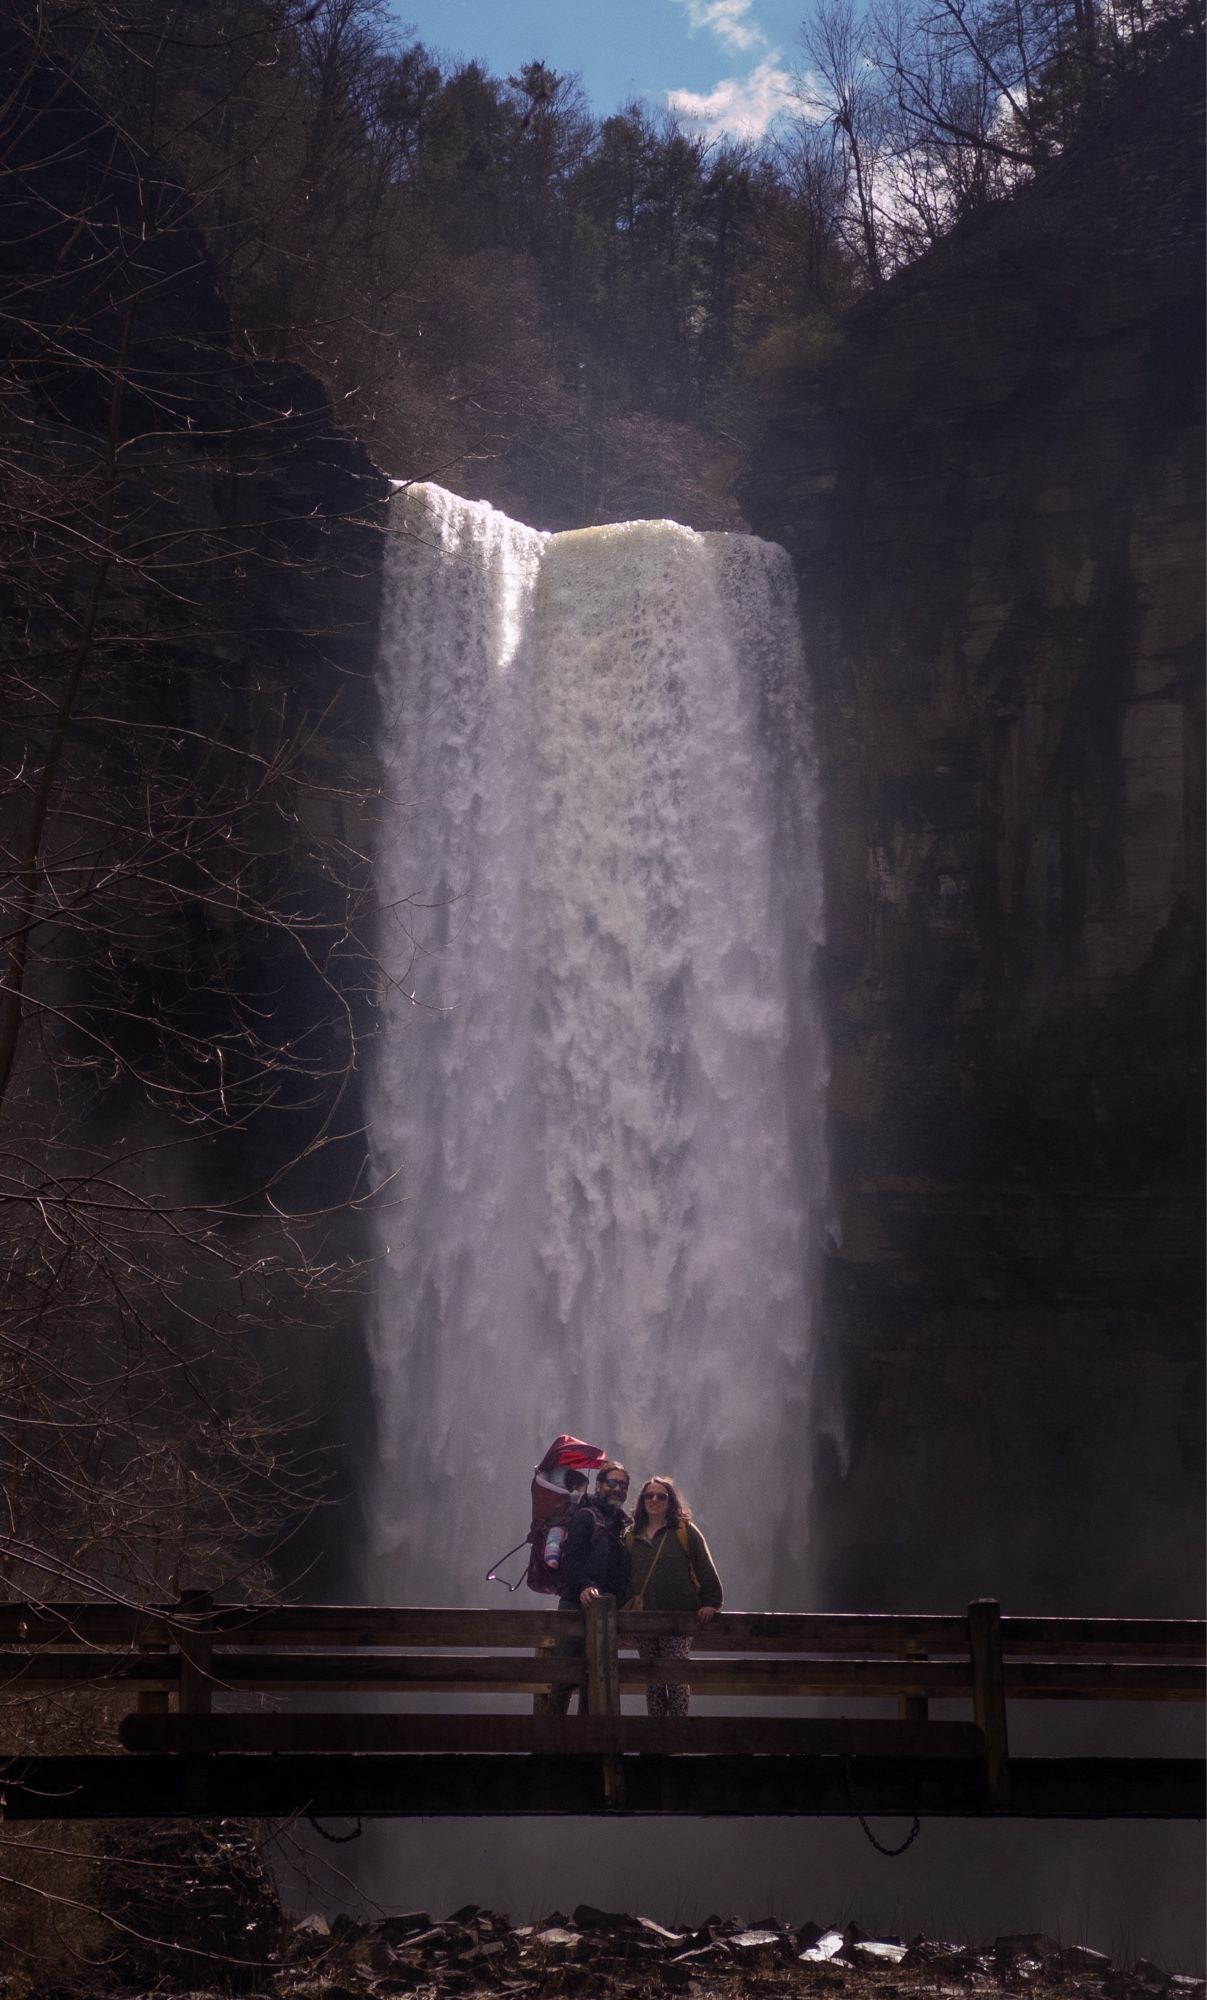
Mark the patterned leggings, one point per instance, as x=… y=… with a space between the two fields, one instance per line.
x=662 y=1697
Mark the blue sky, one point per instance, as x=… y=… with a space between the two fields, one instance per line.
x=723 y=64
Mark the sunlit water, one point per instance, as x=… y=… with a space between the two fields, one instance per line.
x=596 y=1107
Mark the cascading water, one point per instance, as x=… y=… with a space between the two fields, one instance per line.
x=596 y=1111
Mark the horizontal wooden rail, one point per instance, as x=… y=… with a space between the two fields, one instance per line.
x=575 y=1735
x=828 y=1633
x=1102 y=1680
x=1104 y=1638
x=22 y=1674
x=487 y=1674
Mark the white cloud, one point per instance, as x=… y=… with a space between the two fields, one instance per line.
x=739 y=107
x=727 y=19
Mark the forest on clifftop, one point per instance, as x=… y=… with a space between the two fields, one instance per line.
x=580 y=317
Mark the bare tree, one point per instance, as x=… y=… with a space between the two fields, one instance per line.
x=842 y=88
x=815 y=172
x=184 y=879
x=937 y=111
x=185 y=820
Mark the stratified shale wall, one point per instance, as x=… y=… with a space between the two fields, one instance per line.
x=993 y=495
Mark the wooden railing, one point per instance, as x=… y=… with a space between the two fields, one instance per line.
x=203 y=1654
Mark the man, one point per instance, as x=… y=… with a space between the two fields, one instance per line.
x=594 y=1561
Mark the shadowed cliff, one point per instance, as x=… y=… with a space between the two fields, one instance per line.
x=993 y=494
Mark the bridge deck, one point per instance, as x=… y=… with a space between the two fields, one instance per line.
x=223 y=1752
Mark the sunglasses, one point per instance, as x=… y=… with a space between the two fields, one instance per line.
x=655 y=1493
x=619 y=1485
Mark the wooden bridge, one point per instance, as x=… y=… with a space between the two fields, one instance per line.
x=225 y=1751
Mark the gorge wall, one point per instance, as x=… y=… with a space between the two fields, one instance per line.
x=992 y=498
x=992 y=491
x=190 y=574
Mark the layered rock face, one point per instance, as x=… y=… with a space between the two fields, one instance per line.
x=993 y=495
x=993 y=498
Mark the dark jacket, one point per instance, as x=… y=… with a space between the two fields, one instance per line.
x=593 y=1552
x=669 y=1577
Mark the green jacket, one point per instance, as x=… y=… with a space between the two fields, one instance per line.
x=672 y=1586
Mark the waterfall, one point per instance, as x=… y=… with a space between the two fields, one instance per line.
x=596 y=1104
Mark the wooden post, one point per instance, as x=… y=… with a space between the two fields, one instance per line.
x=989 y=1695
x=912 y=1707
x=153 y=1701
x=544 y=1651
x=195 y=1695
x=195 y=1691
x=603 y=1665
x=603 y=1684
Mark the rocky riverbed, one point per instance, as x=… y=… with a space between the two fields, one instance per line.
x=592 y=1952
x=195 y=1911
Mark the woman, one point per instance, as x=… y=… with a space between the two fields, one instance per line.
x=672 y=1570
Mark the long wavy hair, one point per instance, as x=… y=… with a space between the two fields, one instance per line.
x=676 y=1512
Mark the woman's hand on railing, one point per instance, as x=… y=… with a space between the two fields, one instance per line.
x=706 y=1614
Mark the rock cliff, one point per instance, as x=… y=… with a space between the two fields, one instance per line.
x=993 y=494
x=189 y=594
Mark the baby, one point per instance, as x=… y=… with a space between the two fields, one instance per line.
x=555 y=1534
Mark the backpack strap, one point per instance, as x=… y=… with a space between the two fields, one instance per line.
x=685 y=1545
x=681 y=1537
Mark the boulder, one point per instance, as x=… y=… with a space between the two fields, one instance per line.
x=659 y=1932
x=876 y=1951
x=826 y=1947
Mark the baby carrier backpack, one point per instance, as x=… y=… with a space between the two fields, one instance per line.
x=556 y=1483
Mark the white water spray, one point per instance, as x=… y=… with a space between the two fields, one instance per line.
x=596 y=1110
